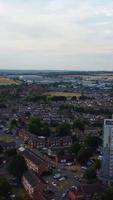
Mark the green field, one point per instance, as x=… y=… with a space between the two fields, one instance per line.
x=66 y=94
x=6 y=138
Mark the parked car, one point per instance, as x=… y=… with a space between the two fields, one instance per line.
x=54 y=184
x=62 y=178
x=69 y=164
x=64 y=194
x=57 y=176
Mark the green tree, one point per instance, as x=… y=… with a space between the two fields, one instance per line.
x=4 y=187
x=108 y=194
x=98 y=164
x=11 y=152
x=74 y=98
x=14 y=123
x=79 y=124
x=58 y=98
x=92 y=142
x=1 y=149
x=17 y=166
x=84 y=154
x=1 y=198
x=35 y=125
x=63 y=129
x=75 y=148
x=90 y=173
x=45 y=130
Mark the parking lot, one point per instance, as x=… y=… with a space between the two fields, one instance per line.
x=60 y=181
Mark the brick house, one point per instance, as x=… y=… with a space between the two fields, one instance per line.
x=85 y=192
x=33 y=141
x=34 y=186
x=35 y=162
x=59 y=141
x=5 y=146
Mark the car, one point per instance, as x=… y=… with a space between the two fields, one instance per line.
x=76 y=178
x=69 y=164
x=83 y=168
x=54 y=184
x=62 y=179
x=12 y=195
x=59 y=170
x=64 y=194
x=74 y=187
x=65 y=176
x=47 y=182
x=57 y=176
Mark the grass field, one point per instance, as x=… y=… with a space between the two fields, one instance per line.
x=7 y=81
x=74 y=168
x=6 y=138
x=66 y=94
x=20 y=194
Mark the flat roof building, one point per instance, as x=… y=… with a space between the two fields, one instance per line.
x=107 y=158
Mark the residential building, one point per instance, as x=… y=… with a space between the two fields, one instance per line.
x=85 y=192
x=35 y=162
x=107 y=159
x=5 y=146
x=34 y=186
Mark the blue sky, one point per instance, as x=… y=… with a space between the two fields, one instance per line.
x=56 y=34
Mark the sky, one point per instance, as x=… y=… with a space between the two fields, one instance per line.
x=56 y=34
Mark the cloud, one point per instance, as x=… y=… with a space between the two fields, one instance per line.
x=58 y=31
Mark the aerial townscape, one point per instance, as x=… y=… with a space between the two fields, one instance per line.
x=56 y=100
x=56 y=135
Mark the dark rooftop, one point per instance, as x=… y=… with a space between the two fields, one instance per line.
x=32 y=178
x=33 y=157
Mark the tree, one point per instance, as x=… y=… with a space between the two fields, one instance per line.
x=35 y=125
x=79 y=124
x=63 y=129
x=11 y=152
x=92 y=142
x=74 y=98
x=1 y=198
x=74 y=138
x=37 y=98
x=58 y=98
x=75 y=148
x=1 y=149
x=17 y=166
x=108 y=194
x=14 y=123
x=84 y=154
x=45 y=130
x=90 y=173
x=61 y=154
x=98 y=164
x=4 y=187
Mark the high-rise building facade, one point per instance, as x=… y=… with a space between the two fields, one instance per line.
x=107 y=159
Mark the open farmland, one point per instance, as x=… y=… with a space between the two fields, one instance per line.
x=66 y=94
x=7 y=81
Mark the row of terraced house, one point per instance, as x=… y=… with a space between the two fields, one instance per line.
x=32 y=180
x=33 y=141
